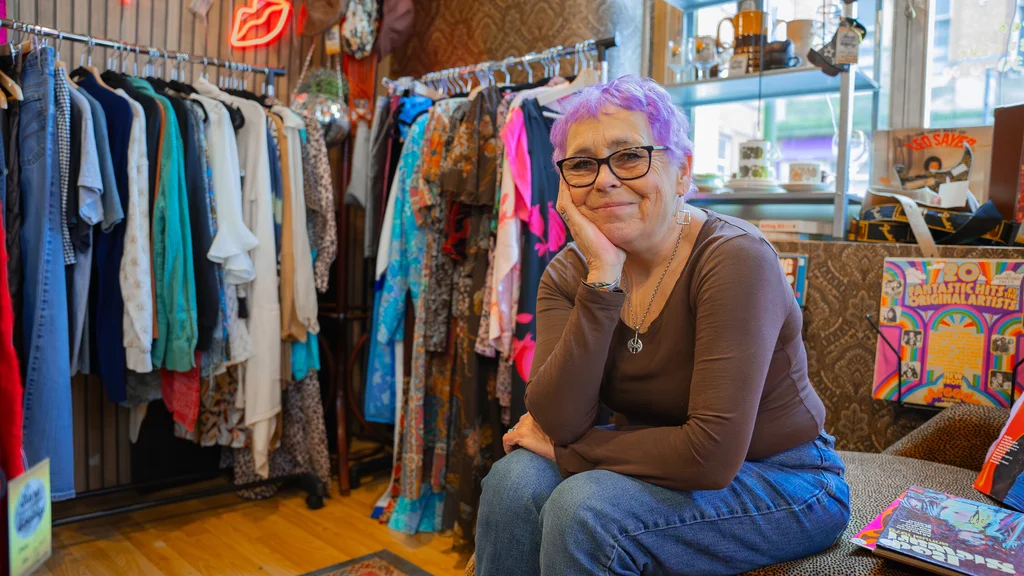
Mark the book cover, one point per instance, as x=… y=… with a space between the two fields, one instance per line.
x=794 y=266
x=921 y=149
x=1004 y=463
x=956 y=325
x=868 y=535
x=796 y=226
x=950 y=535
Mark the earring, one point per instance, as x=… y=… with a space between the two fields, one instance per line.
x=682 y=217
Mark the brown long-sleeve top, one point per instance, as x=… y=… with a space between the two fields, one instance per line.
x=722 y=377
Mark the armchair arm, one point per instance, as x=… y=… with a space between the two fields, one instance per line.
x=959 y=436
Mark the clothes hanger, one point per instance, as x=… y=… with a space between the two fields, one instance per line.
x=87 y=68
x=58 y=63
x=585 y=78
x=22 y=47
x=524 y=64
x=8 y=84
x=478 y=71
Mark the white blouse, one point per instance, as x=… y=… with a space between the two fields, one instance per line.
x=135 y=279
x=260 y=390
x=231 y=245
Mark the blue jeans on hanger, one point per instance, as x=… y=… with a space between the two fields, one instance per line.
x=532 y=522
x=47 y=413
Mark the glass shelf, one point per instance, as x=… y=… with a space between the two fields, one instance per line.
x=772 y=84
x=770 y=198
x=694 y=4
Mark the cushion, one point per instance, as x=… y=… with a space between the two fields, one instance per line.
x=959 y=436
x=875 y=481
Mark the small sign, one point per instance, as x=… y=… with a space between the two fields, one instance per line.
x=737 y=65
x=332 y=40
x=847 y=45
x=794 y=266
x=29 y=520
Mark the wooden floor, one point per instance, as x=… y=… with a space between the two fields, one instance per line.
x=225 y=536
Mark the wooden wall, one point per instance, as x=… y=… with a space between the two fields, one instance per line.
x=102 y=450
x=168 y=25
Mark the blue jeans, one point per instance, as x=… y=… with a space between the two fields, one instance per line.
x=533 y=522
x=47 y=404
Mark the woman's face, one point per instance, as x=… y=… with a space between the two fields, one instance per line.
x=630 y=213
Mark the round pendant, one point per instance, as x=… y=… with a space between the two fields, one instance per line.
x=635 y=345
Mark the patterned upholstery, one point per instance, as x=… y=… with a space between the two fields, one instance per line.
x=875 y=481
x=943 y=454
x=959 y=436
x=844 y=282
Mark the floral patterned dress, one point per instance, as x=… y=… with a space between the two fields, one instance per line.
x=545 y=236
x=403 y=275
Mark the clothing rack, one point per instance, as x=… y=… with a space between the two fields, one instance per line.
x=139 y=49
x=549 y=57
x=309 y=483
x=352 y=466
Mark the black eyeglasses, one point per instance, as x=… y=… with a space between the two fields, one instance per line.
x=626 y=164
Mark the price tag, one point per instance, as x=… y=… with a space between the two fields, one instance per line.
x=847 y=45
x=738 y=65
x=332 y=40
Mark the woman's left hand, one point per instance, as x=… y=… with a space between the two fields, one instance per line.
x=527 y=434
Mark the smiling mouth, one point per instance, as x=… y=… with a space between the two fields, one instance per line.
x=610 y=205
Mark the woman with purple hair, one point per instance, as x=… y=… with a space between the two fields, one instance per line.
x=681 y=321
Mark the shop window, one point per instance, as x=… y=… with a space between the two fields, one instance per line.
x=975 y=64
x=802 y=127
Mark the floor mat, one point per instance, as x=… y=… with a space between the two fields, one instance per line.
x=382 y=563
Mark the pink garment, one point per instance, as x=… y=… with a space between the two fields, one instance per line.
x=517 y=156
x=513 y=209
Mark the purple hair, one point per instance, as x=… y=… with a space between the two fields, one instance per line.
x=669 y=125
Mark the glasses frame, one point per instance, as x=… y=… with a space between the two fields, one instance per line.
x=607 y=161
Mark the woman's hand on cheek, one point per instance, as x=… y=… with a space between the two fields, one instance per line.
x=527 y=434
x=604 y=259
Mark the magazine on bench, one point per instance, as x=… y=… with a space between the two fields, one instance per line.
x=948 y=535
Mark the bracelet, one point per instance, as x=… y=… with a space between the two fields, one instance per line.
x=612 y=286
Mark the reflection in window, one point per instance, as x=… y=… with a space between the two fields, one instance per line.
x=802 y=127
x=975 y=64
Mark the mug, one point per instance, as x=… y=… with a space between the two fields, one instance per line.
x=802 y=34
x=778 y=55
x=756 y=159
x=805 y=173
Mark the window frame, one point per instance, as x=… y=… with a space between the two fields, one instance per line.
x=913 y=27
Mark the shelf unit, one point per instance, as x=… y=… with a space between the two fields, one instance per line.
x=782 y=84
x=810 y=81
x=770 y=198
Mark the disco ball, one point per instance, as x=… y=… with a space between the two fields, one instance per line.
x=322 y=96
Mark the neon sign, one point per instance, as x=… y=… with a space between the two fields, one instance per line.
x=257 y=14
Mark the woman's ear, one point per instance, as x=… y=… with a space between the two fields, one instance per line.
x=685 y=180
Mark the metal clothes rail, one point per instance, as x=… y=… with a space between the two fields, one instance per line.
x=549 y=56
x=308 y=483
x=138 y=49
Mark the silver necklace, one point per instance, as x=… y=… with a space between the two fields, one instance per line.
x=635 y=345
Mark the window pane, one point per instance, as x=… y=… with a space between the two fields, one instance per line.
x=802 y=128
x=976 y=63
